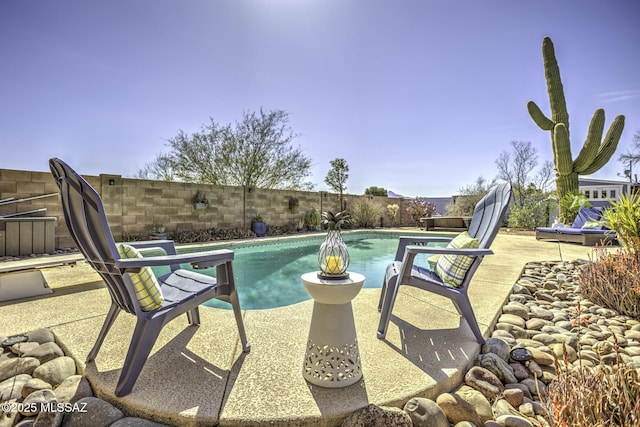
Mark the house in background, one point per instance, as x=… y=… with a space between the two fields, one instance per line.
x=600 y=191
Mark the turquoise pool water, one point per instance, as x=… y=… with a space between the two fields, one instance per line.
x=268 y=274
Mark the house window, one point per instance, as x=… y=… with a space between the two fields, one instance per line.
x=595 y=194
x=612 y=194
x=587 y=194
x=604 y=194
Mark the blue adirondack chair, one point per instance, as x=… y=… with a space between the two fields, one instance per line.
x=487 y=217
x=182 y=290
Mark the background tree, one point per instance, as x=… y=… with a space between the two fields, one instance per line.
x=468 y=197
x=631 y=157
x=337 y=178
x=376 y=191
x=255 y=152
x=531 y=205
x=159 y=169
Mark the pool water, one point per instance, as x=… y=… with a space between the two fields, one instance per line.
x=268 y=275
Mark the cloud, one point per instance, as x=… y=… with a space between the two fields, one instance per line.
x=621 y=95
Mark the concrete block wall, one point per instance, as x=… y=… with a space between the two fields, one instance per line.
x=133 y=206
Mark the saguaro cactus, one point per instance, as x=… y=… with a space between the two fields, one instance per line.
x=595 y=152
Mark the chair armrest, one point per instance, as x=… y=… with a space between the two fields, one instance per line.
x=168 y=246
x=411 y=249
x=198 y=260
x=413 y=240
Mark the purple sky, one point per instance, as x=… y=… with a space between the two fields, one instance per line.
x=419 y=96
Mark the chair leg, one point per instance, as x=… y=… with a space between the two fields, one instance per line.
x=233 y=299
x=193 y=316
x=388 y=300
x=382 y=292
x=144 y=337
x=108 y=322
x=464 y=308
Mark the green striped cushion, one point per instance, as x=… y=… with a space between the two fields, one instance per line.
x=452 y=268
x=145 y=283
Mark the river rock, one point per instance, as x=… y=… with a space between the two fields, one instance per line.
x=377 y=416
x=41 y=336
x=34 y=401
x=17 y=366
x=457 y=409
x=484 y=381
x=34 y=384
x=135 y=422
x=11 y=388
x=97 y=413
x=497 y=346
x=476 y=399
x=56 y=370
x=425 y=413
x=45 y=352
x=498 y=367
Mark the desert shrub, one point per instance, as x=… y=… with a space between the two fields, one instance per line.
x=420 y=208
x=582 y=396
x=232 y=233
x=530 y=215
x=392 y=211
x=623 y=217
x=570 y=204
x=366 y=214
x=613 y=280
x=191 y=236
x=594 y=397
x=279 y=230
x=134 y=237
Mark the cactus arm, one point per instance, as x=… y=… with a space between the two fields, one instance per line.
x=538 y=116
x=608 y=147
x=592 y=143
x=559 y=112
x=562 y=150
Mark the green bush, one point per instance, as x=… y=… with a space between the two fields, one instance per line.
x=532 y=214
x=570 y=204
x=623 y=217
x=366 y=214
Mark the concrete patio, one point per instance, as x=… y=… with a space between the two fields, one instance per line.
x=199 y=376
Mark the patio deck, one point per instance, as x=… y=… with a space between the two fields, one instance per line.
x=199 y=376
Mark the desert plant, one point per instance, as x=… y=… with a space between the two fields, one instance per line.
x=530 y=215
x=595 y=152
x=312 y=218
x=623 y=217
x=200 y=197
x=570 y=204
x=582 y=396
x=392 y=211
x=366 y=214
x=191 y=236
x=420 y=208
x=613 y=280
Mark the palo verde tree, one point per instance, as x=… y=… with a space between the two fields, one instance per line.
x=595 y=152
x=376 y=191
x=337 y=178
x=255 y=152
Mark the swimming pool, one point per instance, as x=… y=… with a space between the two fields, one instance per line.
x=268 y=273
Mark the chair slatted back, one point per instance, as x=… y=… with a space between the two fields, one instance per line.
x=87 y=223
x=489 y=214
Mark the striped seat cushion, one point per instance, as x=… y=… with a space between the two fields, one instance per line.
x=453 y=268
x=145 y=284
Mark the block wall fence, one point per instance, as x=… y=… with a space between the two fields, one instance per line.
x=133 y=206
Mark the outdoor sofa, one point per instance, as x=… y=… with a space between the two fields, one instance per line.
x=586 y=230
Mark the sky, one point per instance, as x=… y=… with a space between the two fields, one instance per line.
x=418 y=96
